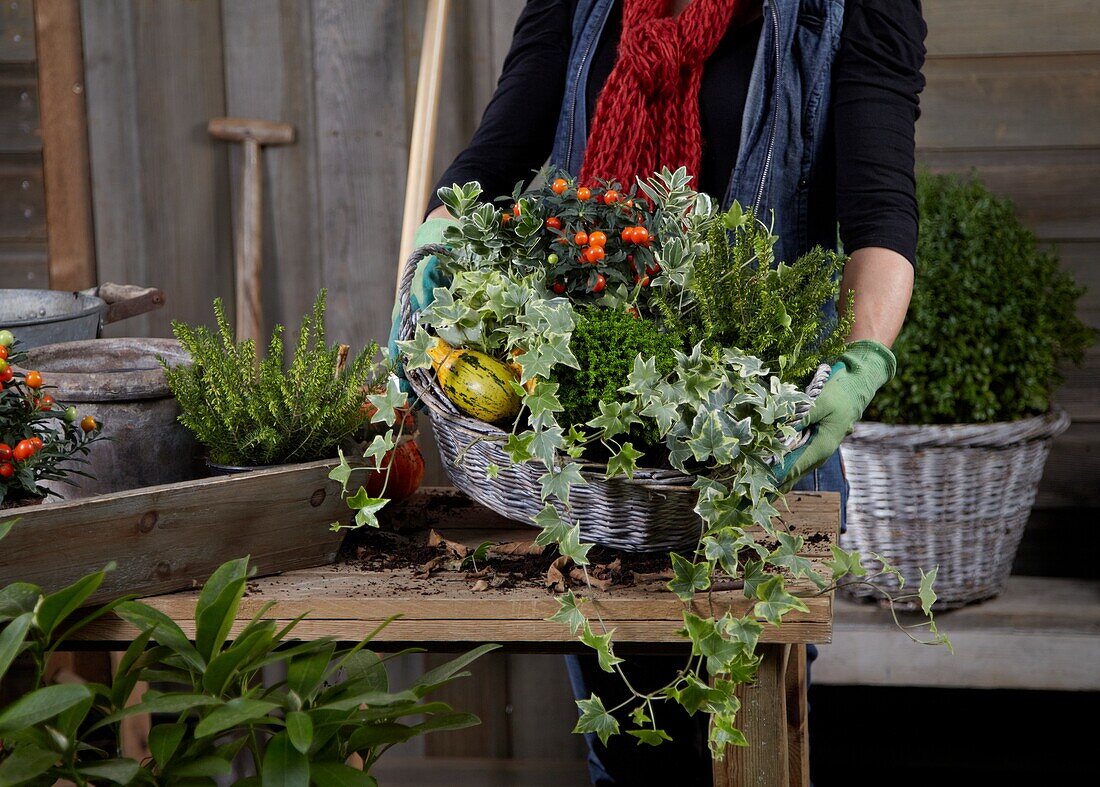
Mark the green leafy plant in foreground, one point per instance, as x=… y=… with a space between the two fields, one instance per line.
x=334 y=702
x=247 y=411
x=723 y=415
x=992 y=317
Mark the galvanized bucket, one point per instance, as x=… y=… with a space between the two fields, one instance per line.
x=121 y=384
x=41 y=317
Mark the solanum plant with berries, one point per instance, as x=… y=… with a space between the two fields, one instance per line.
x=40 y=439
x=521 y=279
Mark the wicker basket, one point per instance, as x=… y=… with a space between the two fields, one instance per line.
x=957 y=497
x=652 y=511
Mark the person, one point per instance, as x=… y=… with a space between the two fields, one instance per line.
x=802 y=109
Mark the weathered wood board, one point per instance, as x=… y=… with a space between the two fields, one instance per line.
x=171 y=537
x=346 y=602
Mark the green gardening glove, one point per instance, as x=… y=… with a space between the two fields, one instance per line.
x=428 y=276
x=857 y=375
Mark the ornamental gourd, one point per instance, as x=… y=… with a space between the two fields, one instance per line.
x=478 y=385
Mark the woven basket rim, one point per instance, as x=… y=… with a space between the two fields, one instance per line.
x=998 y=434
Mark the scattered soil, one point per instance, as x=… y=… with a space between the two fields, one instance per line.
x=513 y=564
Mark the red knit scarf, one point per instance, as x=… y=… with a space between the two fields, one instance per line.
x=647 y=115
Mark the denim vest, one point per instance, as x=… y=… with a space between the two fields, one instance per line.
x=786 y=136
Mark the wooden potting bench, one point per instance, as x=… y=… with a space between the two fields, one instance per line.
x=443 y=613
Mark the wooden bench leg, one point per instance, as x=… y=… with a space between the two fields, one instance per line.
x=763 y=719
x=798 y=722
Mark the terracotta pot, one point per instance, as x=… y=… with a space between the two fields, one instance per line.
x=406 y=471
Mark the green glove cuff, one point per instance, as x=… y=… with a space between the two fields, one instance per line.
x=431 y=231
x=869 y=366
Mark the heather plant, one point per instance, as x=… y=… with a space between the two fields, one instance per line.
x=250 y=411
x=742 y=297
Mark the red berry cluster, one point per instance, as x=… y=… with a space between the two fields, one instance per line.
x=36 y=433
x=596 y=236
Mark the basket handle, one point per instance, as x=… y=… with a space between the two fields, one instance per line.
x=813 y=390
x=420 y=380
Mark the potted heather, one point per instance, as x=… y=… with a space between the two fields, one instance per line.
x=42 y=441
x=945 y=468
x=251 y=412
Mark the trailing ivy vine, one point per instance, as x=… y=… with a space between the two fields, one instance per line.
x=722 y=414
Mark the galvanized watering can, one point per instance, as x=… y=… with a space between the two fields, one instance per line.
x=40 y=317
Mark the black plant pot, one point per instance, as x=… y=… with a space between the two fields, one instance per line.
x=219 y=470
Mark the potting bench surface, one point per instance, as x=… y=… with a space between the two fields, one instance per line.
x=346 y=601
x=443 y=611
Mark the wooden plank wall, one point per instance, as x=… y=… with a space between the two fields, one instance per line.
x=22 y=194
x=1013 y=90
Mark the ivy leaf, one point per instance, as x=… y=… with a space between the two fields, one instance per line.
x=518 y=447
x=786 y=555
x=889 y=569
x=569 y=613
x=723 y=734
x=721 y=547
x=492 y=470
x=546 y=444
x=753 y=576
x=643 y=378
x=368 y=508
x=926 y=593
x=688 y=577
x=342 y=472
x=625 y=462
x=615 y=418
x=639 y=715
x=595 y=718
x=707 y=640
x=570 y=546
x=543 y=403
x=558 y=481
x=386 y=404
x=416 y=349
x=601 y=643
x=664 y=413
x=745 y=630
x=844 y=563
x=651 y=736
x=708 y=440
x=378 y=448
x=775 y=602
x=695 y=696
x=554 y=528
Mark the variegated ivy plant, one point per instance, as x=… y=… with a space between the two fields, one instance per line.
x=722 y=415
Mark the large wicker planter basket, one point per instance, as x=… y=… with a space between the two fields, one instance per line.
x=653 y=511
x=955 y=496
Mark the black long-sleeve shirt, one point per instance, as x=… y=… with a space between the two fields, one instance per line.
x=876 y=82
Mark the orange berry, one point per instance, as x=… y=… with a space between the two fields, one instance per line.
x=584 y=193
